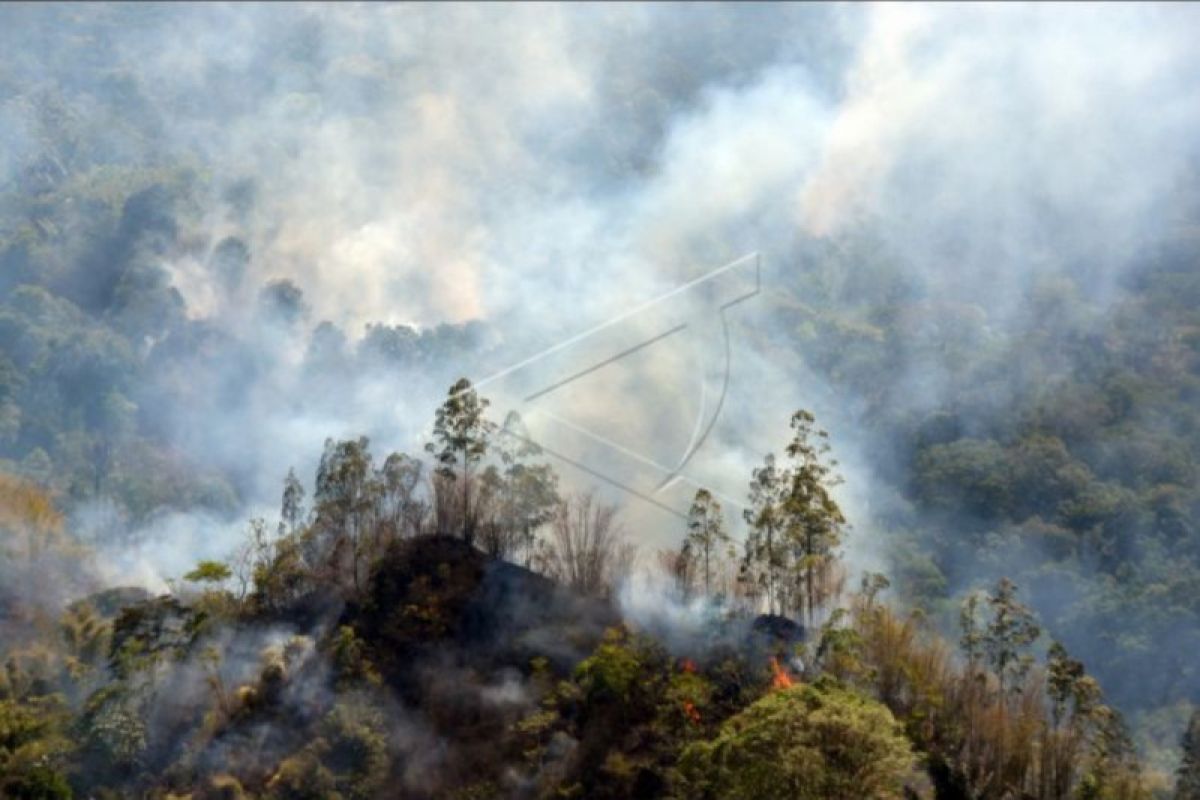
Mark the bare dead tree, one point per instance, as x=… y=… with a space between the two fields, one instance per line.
x=587 y=549
x=679 y=568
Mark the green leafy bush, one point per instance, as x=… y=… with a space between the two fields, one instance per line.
x=811 y=741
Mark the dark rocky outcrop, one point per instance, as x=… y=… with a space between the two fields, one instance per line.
x=436 y=599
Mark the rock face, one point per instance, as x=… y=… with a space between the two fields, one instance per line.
x=110 y=602
x=515 y=615
x=781 y=630
x=436 y=598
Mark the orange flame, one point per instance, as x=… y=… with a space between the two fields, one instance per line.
x=690 y=711
x=779 y=676
x=687 y=665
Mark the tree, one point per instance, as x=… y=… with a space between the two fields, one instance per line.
x=461 y=433
x=812 y=518
x=1112 y=772
x=1064 y=676
x=765 y=558
x=809 y=742
x=114 y=422
x=272 y=564
x=1187 y=783
x=530 y=490
x=400 y=505
x=1002 y=642
x=344 y=502
x=678 y=566
x=494 y=533
x=1074 y=702
x=348 y=759
x=706 y=533
x=291 y=511
x=970 y=633
x=973 y=693
x=533 y=497
x=976 y=742
x=587 y=550
x=85 y=638
x=209 y=572
x=33 y=748
x=795 y=524
x=1009 y=633
x=30 y=525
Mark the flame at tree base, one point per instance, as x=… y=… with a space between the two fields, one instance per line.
x=780 y=679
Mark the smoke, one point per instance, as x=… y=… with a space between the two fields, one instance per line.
x=166 y=547
x=534 y=171
x=986 y=144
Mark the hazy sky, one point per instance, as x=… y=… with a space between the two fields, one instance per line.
x=543 y=168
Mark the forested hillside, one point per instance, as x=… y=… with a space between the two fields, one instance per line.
x=251 y=546
x=381 y=641
x=1062 y=453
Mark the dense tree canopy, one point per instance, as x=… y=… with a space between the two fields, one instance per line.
x=806 y=742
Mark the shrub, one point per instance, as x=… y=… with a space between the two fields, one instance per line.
x=810 y=741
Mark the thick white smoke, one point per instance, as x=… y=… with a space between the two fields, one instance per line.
x=543 y=168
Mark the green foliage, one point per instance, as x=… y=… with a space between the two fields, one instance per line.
x=86 y=638
x=795 y=525
x=811 y=741
x=814 y=521
x=209 y=572
x=39 y=782
x=628 y=720
x=303 y=777
x=350 y=662
x=611 y=674
x=114 y=733
x=1011 y=630
x=460 y=430
x=347 y=759
x=461 y=435
x=688 y=699
x=416 y=597
x=354 y=746
x=968 y=476
x=145 y=632
x=1048 y=735
x=34 y=749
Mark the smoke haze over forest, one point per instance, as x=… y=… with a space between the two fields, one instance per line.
x=230 y=232
x=542 y=169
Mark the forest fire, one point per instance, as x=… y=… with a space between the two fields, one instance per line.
x=780 y=679
x=688 y=667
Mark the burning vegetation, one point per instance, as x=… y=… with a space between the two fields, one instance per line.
x=780 y=679
x=212 y=217
x=326 y=656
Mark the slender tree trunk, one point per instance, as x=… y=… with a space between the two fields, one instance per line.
x=468 y=528
x=707 y=593
x=770 y=570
